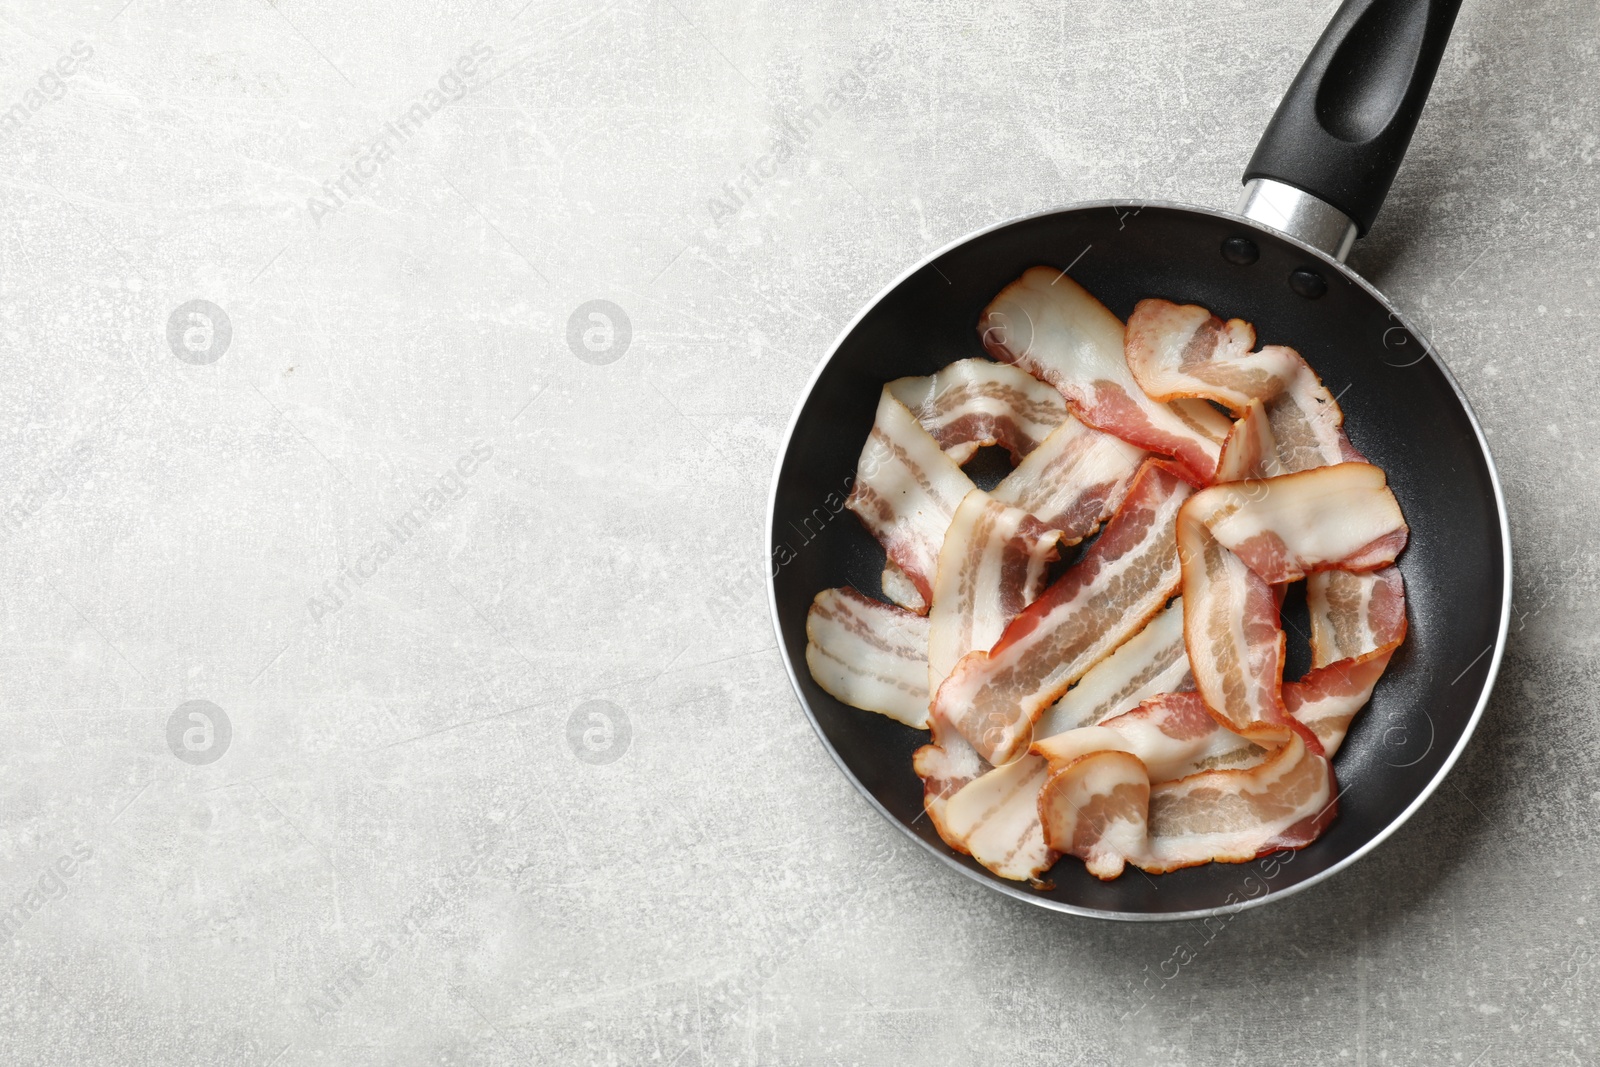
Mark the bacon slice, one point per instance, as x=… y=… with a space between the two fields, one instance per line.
x=996 y=818
x=1102 y=808
x=906 y=491
x=1237 y=538
x=1251 y=452
x=1097 y=808
x=1285 y=528
x=869 y=654
x=1235 y=643
x=1308 y=425
x=1124 y=578
x=1048 y=325
x=1357 y=621
x=1185 y=351
x=1355 y=616
x=1130 y=766
x=1150 y=662
x=1172 y=734
x=1233 y=816
x=1327 y=698
x=973 y=402
x=1182 y=350
x=1074 y=480
x=992 y=565
x=946 y=765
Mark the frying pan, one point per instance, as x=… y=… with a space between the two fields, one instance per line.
x=1314 y=185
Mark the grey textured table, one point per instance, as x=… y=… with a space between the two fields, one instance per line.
x=496 y=760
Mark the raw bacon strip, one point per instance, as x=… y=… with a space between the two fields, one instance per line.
x=1235 y=642
x=945 y=766
x=1074 y=480
x=1357 y=621
x=1172 y=734
x=1125 y=577
x=1285 y=528
x=1355 y=615
x=973 y=402
x=1097 y=808
x=1308 y=425
x=1150 y=662
x=1185 y=351
x=1230 y=624
x=870 y=655
x=1327 y=698
x=1046 y=323
x=1251 y=452
x=1236 y=538
x=1261 y=801
x=1233 y=816
x=992 y=565
x=1182 y=350
x=1175 y=736
x=906 y=491
x=996 y=818
x=1102 y=808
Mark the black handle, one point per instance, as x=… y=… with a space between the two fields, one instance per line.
x=1345 y=122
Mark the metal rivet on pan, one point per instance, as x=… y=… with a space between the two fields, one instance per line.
x=1240 y=250
x=1307 y=282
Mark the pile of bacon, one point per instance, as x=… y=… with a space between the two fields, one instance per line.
x=1134 y=711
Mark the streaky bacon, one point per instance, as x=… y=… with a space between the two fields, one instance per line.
x=1074 y=480
x=996 y=819
x=1231 y=629
x=869 y=654
x=946 y=765
x=1103 y=808
x=991 y=566
x=973 y=402
x=1130 y=766
x=1308 y=425
x=1097 y=808
x=1251 y=452
x=1172 y=734
x=1047 y=324
x=906 y=491
x=1355 y=615
x=1177 y=351
x=1186 y=351
x=1123 y=579
x=1357 y=622
x=1239 y=539
x=1327 y=698
x=1152 y=661
x=1287 y=527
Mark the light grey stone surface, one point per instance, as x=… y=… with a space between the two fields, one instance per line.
x=416 y=846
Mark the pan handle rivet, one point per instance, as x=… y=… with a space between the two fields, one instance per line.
x=1307 y=282
x=1240 y=250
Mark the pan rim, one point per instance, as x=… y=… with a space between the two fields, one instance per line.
x=992 y=881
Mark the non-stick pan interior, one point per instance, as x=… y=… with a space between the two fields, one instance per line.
x=1401 y=411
